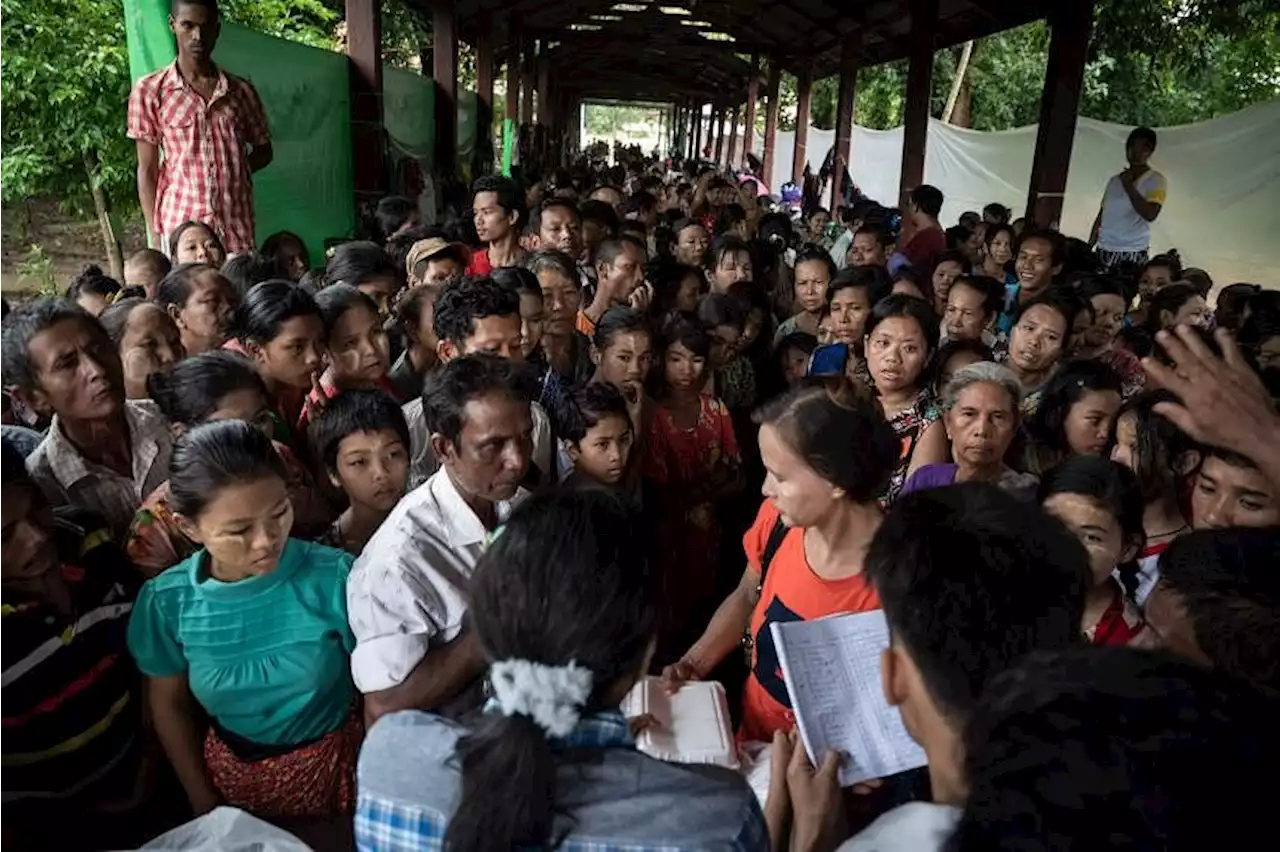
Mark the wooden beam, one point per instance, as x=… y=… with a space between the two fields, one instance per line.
x=545 y=108
x=844 y=119
x=697 y=131
x=513 y=73
x=1071 y=26
x=731 y=160
x=444 y=61
x=529 y=69
x=753 y=92
x=915 y=130
x=364 y=50
x=771 y=123
x=804 y=96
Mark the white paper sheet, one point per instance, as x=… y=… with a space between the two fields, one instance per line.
x=832 y=671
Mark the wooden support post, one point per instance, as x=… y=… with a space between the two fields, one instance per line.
x=513 y=72
x=732 y=159
x=717 y=117
x=753 y=93
x=771 y=123
x=915 y=129
x=697 y=131
x=364 y=49
x=804 y=94
x=1071 y=23
x=527 y=73
x=483 y=160
x=844 y=119
x=545 y=99
x=444 y=53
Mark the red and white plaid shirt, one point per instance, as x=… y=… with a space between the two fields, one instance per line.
x=204 y=175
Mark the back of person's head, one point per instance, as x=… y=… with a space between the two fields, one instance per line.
x=245 y=270
x=1218 y=601
x=350 y=412
x=215 y=455
x=600 y=214
x=957 y=236
x=997 y=213
x=193 y=389
x=518 y=279
x=971 y=579
x=115 y=319
x=1069 y=385
x=928 y=199
x=1159 y=453
x=719 y=309
x=841 y=435
x=447 y=391
x=1117 y=748
x=92 y=281
x=175 y=288
x=391 y=214
x=360 y=261
x=146 y=267
x=269 y=305
x=462 y=303
x=565 y=608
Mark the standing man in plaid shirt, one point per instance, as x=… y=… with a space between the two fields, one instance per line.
x=213 y=132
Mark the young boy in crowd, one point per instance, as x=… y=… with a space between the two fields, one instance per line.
x=363 y=442
x=101 y=450
x=595 y=426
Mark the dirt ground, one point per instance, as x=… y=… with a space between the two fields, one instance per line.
x=69 y=242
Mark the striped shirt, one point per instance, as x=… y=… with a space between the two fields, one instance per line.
x=205 y=173
x=72 y=700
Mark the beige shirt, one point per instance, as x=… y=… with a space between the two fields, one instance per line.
x=407 y=589
x=67 y=477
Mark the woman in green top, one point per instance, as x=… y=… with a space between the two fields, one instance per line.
x=251 y=630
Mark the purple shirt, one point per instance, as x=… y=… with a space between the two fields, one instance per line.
x=931 y=476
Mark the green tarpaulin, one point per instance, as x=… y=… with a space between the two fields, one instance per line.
x=305 y=91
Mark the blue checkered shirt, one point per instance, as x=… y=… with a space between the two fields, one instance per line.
x=626 y=802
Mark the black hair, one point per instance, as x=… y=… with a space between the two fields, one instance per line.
x=726 y=244
x=1136 y=340
x=876 y=230
x=907 y=307
x=992 y=291
x=336 y=299
x=801 y=341
x=957 y=235
x=535 y=219
x=556 y=260
x=1161 y=449
x=971 y=578
x=1142 y=134
x=94 y=281
x=640 y=202
x=633 y=228
x=408 y=311
x=1259 y=327
x=1169 y=260
x=843 y=437
x=1047 y=427
x=399 y=246
x=175 y=288
x=928 y=199
x=611 y=248
x=1057 y=244
x=176 y=236
x=602 y=213
x=811 y=253
x=1112 y=486
x=14 y=466
x=1171 y=299
x=1104 y=284
x=269 y=305
x=313 y=280
x=729 y=215
x=273 y=243
x=356 y=262
x=687 y=222
x=619 y=319
x=584 y=406
x=667 y=275
x=948 y=256
x=211 y=5
x=245 y=270
x=114 y=319
x=716 y=309
x=150 y=259
x=214 y=455
x=354 y=411
x=686 y=329
x=954 y=347
x=1063 y=302
x=1116 y=748
x=391 y=213
x=194 y=387
x=24 y=323
x=873 y=279
x=998 y=212
x=510 y=195
x=1206 y=337
x=463 y=302
x=447 y=391
x=566 y=583
x=518 y=279
x=1228 y=586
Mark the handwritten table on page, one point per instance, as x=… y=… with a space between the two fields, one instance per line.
x=832 y=671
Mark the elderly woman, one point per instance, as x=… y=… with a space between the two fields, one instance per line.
x=981 y=412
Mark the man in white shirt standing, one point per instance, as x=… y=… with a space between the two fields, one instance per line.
x=1132 y=201
x=406 y=596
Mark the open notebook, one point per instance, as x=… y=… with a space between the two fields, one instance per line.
x=832 y=670
x=693 y=724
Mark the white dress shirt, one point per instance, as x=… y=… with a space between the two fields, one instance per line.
x=407 y=589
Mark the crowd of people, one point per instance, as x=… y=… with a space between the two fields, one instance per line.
x=382 y=544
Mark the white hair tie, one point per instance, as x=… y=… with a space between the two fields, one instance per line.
x=552 y=696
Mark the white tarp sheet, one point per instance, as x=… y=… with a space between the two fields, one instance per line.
x=1223 y=212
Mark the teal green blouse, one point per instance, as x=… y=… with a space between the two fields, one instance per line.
x=267 y=657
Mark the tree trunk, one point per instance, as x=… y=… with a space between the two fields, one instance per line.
x=962 y=116
x=961 y=67
x=102 y=206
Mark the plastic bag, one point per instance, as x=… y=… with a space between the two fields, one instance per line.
x=228 y=830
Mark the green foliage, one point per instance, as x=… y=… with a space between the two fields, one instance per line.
x=64 y=81
x=38 y=268
x=309 y=22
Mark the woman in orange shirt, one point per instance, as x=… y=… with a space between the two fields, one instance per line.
x=827 y=454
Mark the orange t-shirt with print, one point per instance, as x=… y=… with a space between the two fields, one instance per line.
x=792 y=592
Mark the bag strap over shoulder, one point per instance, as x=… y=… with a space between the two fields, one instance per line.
x=776 y=536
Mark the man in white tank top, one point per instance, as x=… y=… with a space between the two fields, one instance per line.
x=1131 y=202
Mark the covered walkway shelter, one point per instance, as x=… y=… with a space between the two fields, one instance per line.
x=710 y=59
